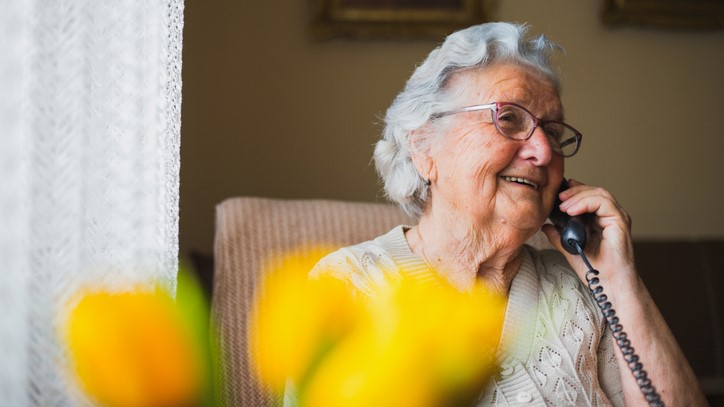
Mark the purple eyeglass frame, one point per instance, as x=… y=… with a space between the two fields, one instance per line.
x=537 y=122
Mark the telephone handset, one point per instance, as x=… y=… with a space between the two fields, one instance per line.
x=573 y=229
x=574 y=237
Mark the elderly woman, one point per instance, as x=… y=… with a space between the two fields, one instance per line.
x=475 y=147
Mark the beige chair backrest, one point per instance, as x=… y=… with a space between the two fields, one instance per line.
x=252 y=230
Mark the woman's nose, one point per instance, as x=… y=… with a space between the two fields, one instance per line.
x=537 y=148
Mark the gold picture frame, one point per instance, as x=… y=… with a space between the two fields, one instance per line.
x=393 y=19
x=688 y=14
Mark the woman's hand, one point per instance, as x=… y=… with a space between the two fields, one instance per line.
x=610 y=245
x=610 y=250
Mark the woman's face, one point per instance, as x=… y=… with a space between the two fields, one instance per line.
x=476 y=171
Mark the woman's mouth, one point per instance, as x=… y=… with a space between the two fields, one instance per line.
x=522 y=181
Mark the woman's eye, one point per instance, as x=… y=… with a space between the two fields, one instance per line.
x=553 y=133
x=509 y=118
x=504 y=117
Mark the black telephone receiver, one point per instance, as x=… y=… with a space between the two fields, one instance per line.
x=574 y=236
x=573 y=229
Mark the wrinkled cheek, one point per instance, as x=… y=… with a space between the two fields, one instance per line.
x=481 y=175
x=484 y=158
x=466 y=168
x=490 y=142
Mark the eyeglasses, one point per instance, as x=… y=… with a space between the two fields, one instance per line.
x=516 y=122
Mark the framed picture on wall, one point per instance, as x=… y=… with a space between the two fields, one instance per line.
x=393 y=19
x=696 y=14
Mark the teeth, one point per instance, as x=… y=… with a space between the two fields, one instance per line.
x=522 y=181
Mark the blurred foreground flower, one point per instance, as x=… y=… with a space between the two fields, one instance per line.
x=296 y=321
x=409 y=344
x=140 y=348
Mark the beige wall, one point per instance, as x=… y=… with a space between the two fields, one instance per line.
x=268 y=112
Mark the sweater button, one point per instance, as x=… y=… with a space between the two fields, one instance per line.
x=524 y=397
x=507 y=371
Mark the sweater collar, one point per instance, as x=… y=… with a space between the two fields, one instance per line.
x=411 y=265
x=520 y=316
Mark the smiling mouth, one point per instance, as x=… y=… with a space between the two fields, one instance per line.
x=521 y=181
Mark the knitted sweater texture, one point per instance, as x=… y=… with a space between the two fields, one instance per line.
x=557 y=350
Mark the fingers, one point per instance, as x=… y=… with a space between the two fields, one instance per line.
x=580 y=199
x=610 y=242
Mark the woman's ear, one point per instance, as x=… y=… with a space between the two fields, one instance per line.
x=421 y=154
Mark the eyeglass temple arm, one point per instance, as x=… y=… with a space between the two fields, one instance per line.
x=464 y=110
x=569 y=141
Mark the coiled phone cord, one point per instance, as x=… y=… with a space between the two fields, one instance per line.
x=629 y=354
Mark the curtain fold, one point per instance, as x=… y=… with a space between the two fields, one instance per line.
x=89 y=168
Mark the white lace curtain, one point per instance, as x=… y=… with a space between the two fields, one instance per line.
x=90 y=96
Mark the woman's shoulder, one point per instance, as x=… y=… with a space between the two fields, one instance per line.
x=365 y=265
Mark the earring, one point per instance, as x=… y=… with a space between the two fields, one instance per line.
x=428 y=182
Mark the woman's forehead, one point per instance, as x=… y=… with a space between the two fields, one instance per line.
x=508 y=83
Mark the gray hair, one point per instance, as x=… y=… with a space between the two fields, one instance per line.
x=425 y=94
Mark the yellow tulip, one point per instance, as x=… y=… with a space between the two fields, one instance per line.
x=375 y=365
x=421 y=345
x=133 y=349
x=408 y=345
x=297 y=320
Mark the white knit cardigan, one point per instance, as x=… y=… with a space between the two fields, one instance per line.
x=557 y=352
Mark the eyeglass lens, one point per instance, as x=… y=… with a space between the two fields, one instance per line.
x=516 y=123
